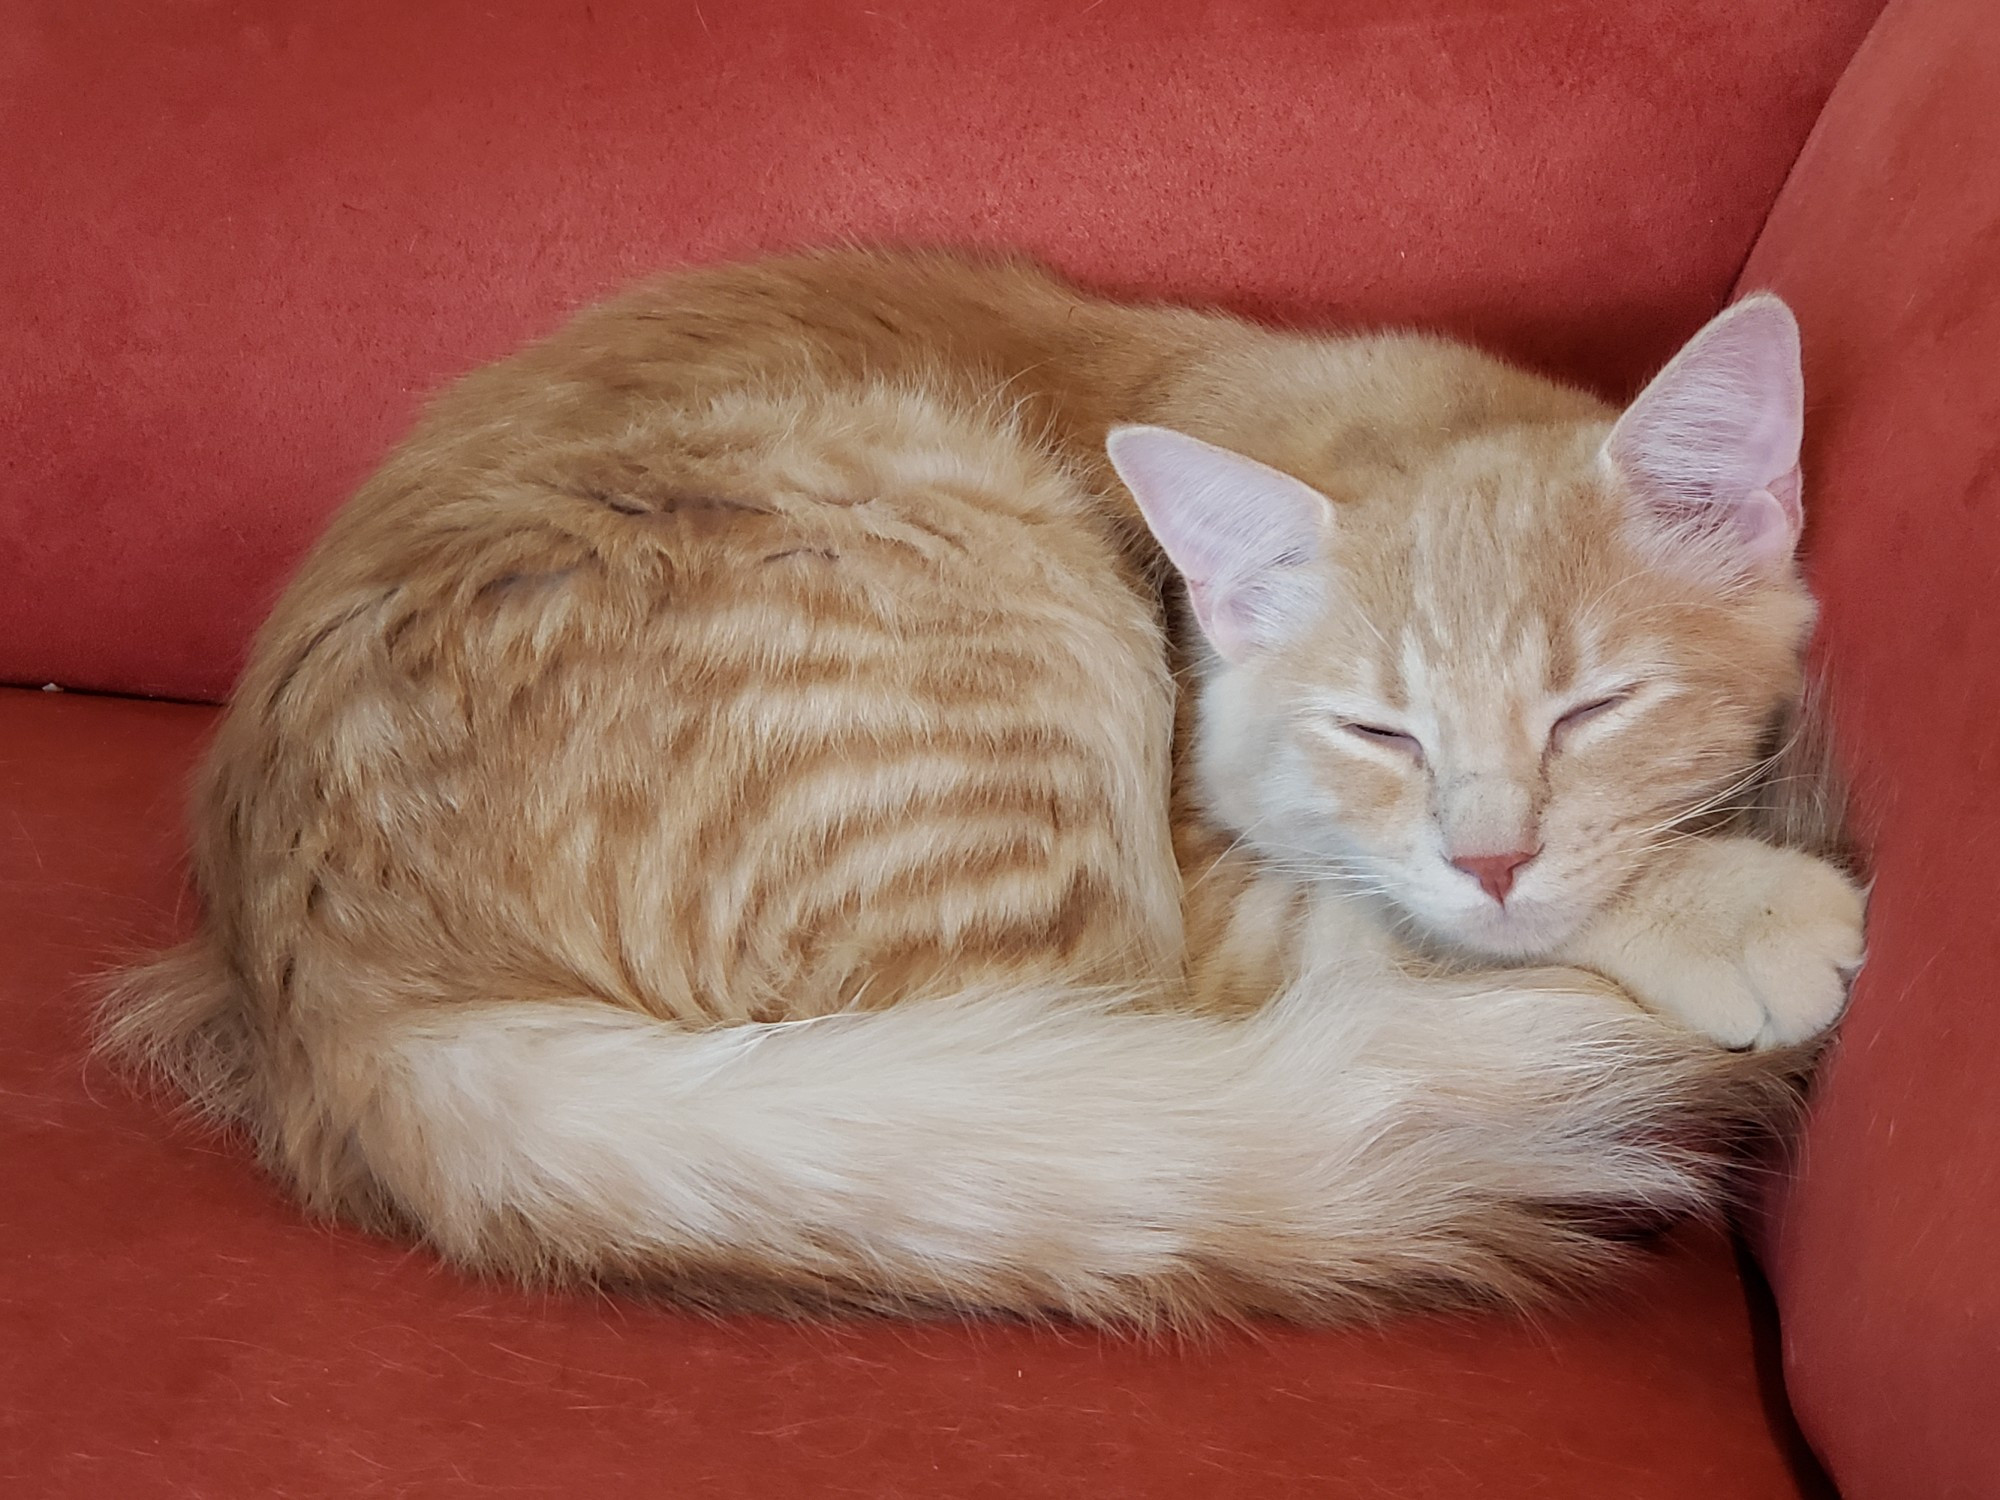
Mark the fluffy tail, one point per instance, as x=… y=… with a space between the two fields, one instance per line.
x=1349 y=1148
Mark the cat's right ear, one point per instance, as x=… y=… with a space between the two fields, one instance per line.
x=1245 y=536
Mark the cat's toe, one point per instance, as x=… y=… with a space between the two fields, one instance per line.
x=1712 y=996
x=1800 y=999
x=1803 y=959
x=1803 y=969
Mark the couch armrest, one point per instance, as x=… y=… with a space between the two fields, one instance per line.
x=1887 y=242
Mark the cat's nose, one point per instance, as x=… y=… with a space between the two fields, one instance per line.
x=1495 y=872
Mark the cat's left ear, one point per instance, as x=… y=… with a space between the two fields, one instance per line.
x=1245 y=536
x=1710 y=450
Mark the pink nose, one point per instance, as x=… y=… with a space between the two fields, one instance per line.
x=1495 y=872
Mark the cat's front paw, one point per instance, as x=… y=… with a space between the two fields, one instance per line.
x=1751 y=945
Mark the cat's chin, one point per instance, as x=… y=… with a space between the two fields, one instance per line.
x=1516 y=933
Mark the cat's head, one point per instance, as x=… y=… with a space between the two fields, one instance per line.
x=1489 y=675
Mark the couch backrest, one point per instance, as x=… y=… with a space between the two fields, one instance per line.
x=243 y=241
x=1886 y=1252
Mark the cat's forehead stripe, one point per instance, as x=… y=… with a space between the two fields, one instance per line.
x=1488 y=677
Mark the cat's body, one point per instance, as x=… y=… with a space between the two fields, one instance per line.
x=707 y=814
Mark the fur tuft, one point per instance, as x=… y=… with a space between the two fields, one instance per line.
x=1800 y=799
x=176 y=1019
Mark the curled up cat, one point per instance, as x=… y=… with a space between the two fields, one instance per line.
x=884 y=781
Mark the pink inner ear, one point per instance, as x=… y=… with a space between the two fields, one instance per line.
x=1763 y=529
x=1712 y=445
x=1243 y=535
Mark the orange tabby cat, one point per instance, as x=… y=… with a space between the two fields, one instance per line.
x=708 y=812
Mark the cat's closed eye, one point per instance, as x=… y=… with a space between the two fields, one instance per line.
x=1583 y=713
x=1379 y=734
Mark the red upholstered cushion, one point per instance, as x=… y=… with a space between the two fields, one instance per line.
x=246 y=238
x=169 y=1327
x=1887 y=1254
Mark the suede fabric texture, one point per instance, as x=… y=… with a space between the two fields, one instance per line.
x=244 y=240
x=170 y=1326
x=1887 y=242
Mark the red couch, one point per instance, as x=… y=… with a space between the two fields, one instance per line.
x=243 y=239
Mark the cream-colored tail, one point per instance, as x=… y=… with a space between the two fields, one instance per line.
x=1350 y=1147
